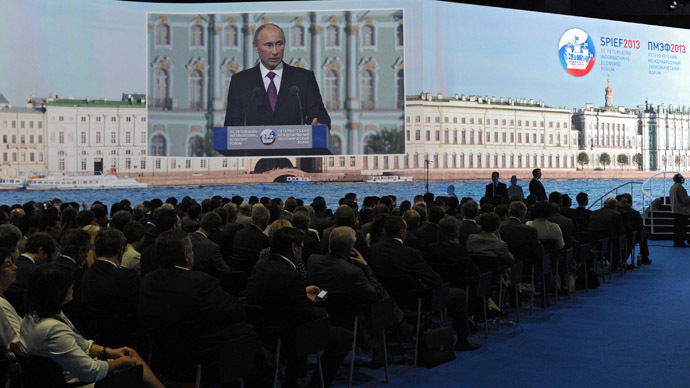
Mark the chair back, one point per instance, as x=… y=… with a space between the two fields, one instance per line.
x=38 y=372
x=312 y=337
x=405 y=289
x=341 y=310
x=486 y=263
x=439 y=298
x=584 y=253
x=516 y=273
x=484 y=284
x=235 y=360
x=381 y=314
x=549 y=246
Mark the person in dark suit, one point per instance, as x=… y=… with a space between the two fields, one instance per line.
x=38 y=249
x=207 y=254
x=166 y=219
x=523 y=240
x=273 y=92
x=344 y=216
x=188 y=312
x=581 y=217
x=76 y=245
x=607 y=222
x=429 y=232
x=535 y=186
x=488 y=243
x=495 y=187
x=468 y=224
x=108 y=290
x=276 y=285
x=248 y=242
x=226 y=237
x=390 y=257
x=301 y=220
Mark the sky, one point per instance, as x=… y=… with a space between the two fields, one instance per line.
x=97 y=48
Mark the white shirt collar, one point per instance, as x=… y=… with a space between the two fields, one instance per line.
x=289 y=261
x=181 y=267
x=29 y=257
x=401 y=241
x=276 y=80
x=108 y=261
x=68 y=258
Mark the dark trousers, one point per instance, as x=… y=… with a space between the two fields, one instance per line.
x=457 y=309
x=680 y=228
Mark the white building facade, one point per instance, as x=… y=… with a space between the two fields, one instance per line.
x=22 y=140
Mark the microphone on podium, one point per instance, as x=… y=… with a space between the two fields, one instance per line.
x=255 y=92
x=294 y=91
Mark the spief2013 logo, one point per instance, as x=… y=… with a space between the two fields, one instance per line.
x=576 y=52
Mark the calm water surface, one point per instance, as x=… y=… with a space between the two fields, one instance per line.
x=332 y=192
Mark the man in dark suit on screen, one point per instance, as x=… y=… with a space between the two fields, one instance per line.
x=273 y=92
x=495 y=187
x=535 y=186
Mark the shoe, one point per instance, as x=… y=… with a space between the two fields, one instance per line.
x=492 y=306
x=646 y=260
x=681 y=245
x=465 y=345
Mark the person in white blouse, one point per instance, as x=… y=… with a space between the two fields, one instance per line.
x=10 y=321
x=45 y=331
x=546 y=229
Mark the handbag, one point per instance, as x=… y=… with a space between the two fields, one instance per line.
x=436 y=346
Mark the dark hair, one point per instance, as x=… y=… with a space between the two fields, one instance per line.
x=211 y=222
x=171 y=246
x=436 y=213
x=283 y=240
x=40 y=240
x=489 y=222
x=166 y=219
x=393 y=226
x=120 y=219
x=108 y=242
x=85 y=217
x=300 y=220
x=469 y=209
x=448 y=230
x=75 y=241
x=133 y=232
x=46 y=290
x=542 y=209
x=345 y=216
x=9 y=236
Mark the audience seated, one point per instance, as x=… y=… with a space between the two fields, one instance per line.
x=10 y=320
x=134 y=233
x=546 y=230
x=488 y=243
x=390 y=257
x=38 y=249
x=523 y=240
x=45 y=331
x=248 y=242
x=468 y=223
x=187 y=313
x=207 y=254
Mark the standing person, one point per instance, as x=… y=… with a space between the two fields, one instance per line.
x=535 y=186
x=514 y=189
x=680 y=207
x=495 y=187
x=273 y=92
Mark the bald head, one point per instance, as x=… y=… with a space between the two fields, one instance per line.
x=341 y=241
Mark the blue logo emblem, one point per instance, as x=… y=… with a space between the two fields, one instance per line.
x=576 y=52
x=268 y=137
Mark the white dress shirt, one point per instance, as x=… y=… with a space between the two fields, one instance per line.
x=276 y=80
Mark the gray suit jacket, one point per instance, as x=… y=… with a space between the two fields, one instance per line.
x=207 y=255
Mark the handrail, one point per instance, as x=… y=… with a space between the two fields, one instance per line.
x=631 y=184
x=650 y=196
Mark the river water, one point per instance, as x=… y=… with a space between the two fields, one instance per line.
x=332 y=192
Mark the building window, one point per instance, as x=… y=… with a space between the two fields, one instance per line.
x=98 y=119
x=353 y=161
x=196 y=90
x=113 y=137
x=31 y=139
x=83 y=164
x=128 y=137
x=158 y=145
x=428 y=135
x=61 y=164
x=113 y=119
x=40 y=139
x=368 y=36
x=196 y=36
x=367 y=83
x=22 y=124
x=61 y=138
x=32 y=157
x=297 y=34
x=188 y=163
x=83 y=137
x=332 y=91
x=161 y=88
x=22 y=139
x=40 y=125
x=162 y=34
x=230 y=36
x=158 y=163
x=98 y=138
x=332 y=36
x=142 y=164
x=418 y=135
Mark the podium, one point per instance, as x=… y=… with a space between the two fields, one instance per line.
x=276 y=140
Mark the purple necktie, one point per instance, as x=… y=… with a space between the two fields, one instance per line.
x=272 y=93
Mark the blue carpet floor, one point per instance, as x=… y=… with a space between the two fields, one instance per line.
x=629 y=332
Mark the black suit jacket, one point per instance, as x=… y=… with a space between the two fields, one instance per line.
x=247 y=244
x=279 y=288
x=467 y=227
x=107 y=290
x=225 y=239
x=287 y=109
x=501 y=190
x=581 y=218
x=25 y=267
x=340 y=277
x=606 y=222
x=537 y=188
x=207 y=255
x=426 y=235
x=523 y=241
x=391 y=258
x=190 y=309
